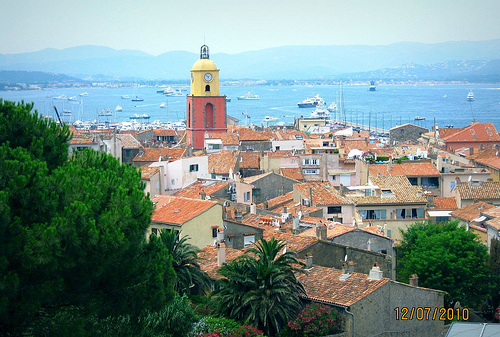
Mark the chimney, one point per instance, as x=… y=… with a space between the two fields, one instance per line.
x=310 y=197
x=253 y=208
x=238 y=216
x=457 y=181
x=471 y=151
x=430 y=199
x=265 y=205
x=203 y=195
x=220 y=235
x=344 y=268
x=221 y=253
x=321 y=232
x=375 y=273
x=389 y=164
x=341 y=187
x=351 y=266
x=414 y=280
x=309 y=261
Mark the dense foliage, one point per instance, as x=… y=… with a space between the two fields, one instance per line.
x=314 y=320
x=260 y=287
x=72 y=233
x=445 y=257
x=185 y=262
x=223 y=327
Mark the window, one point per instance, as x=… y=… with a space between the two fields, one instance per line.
x=334 y=209
x=128 y=153
x=172 y=181
x=154 y=230
x=214 y=146
x=193 y=168
x=310 y=171
x=432 y=182
x=246 y=196
x=307 y=161
x=248 y=240
x=256 y=191
x=214 y=232
x=277 y=148
x=413 y=181
x=207 y=88
x=373 y=214
x=311 y=162
x=409 y=213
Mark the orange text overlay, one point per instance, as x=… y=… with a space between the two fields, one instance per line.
x=428 y=313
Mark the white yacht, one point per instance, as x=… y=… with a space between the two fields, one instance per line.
x=268 y=119
x=311 y=102
x=163 y=105
x=248 y=96
x=118 y=108
x=470 y=96
x=320 y=113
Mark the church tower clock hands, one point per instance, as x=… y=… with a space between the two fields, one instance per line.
x=206 y=108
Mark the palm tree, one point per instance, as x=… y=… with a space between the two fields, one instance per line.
x=185 y=262
x=260 y=287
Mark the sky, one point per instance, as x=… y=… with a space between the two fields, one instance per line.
x=234 y=26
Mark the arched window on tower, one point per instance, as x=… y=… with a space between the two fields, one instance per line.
x=207 y=88
x=209 y=116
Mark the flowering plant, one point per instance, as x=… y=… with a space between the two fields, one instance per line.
x=497 y=314
x=223 y=327
x=315 y=320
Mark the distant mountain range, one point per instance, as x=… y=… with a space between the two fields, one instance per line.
x=450 y=61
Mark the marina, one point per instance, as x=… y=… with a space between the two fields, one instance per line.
x=388 y=106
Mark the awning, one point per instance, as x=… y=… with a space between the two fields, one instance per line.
x=480 y=219
x=438 y=213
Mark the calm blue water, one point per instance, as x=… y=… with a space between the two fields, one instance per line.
x=390 y=105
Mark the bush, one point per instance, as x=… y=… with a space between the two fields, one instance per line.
x=314 y=320
x=223 y=327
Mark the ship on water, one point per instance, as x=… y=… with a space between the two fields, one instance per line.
x=311 y=102
x=372 y=86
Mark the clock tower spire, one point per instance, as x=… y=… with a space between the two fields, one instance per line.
x=206 y=108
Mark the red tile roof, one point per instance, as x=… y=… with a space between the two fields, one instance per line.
x=445 y=203
x=82 y=141
x=208 y=262
x=278 y=201
x=164 y=132
x=226 y=138
x=476 y=132
x=473 y=211
x=323 y=193
x=195 y=189
x=154 y=154
x=222 y=162
x=292 y=173
x=246 y=135
x=129 y=141
x=177 y=210
x=250 y=160
x=402 y=192
x=483 y=191
x=417 y=169
x=323 y=284
x=148 y=172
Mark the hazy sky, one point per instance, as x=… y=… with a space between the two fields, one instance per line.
x=232 y=26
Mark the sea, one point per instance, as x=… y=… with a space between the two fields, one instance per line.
x=390 y=105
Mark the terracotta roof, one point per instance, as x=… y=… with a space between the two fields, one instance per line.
x=407 y=169
x=323 y=193
x=494 y=213
x=148 y=172
x=280 y=153
x=447 y=132
x=250 y=160
x=164 y=132
x=226 y=138
x=408 y=124
x=476 y=132
x=445 y=203
x=177 y=210
x=472 y=212
x=82 y=141
x=323 y=284
x=193 y=191
x=492 y=160
x=246 y=134
x=154 y=154
x=129 y=141
x=482 y=191
x=333 y=230
x=222 y=162
x=294 y=242
x=289 y=134
x=208 y=262
x=278 y=201
x=401 y=192
x=292 y=173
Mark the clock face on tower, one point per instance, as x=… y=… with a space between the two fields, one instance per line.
x=208 y=77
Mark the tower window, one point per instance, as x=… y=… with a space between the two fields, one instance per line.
x=207 y=88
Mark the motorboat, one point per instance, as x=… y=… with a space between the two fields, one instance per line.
x=311 y=102
x=72 y=98
x=248 y=96
x=268 y=119
x=118 y=108
x=140 y=117
x=228 y=99
x=163 y=105
x=320 y=113
x=172 y=92
x=372 y=86
x=125 y=96
x=450 y=126
x=419 y=118
x=332 y=107
x=470 y=96
x=84 y=94
x=137 y=99
x=61 y=97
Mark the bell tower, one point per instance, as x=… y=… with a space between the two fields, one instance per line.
x=206 y=108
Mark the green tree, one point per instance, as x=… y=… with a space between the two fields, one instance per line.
x=494 y=264
x=445 y=257
x=72 y=232
x=185 y=262
x=260 y=287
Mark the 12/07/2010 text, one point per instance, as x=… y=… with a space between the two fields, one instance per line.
x=428 y=313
